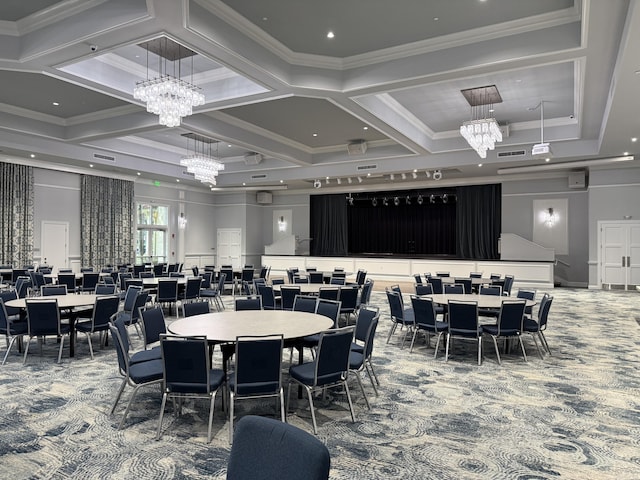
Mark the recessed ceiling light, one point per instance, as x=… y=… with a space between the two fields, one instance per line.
x=138 y=173
x=479 y=164
x=330 y=34
x=365 y=128
x=327 y=178
x=178 y=180
x=229 y=145
x=91 y=165
x=244 y=184
x=315 y=134
x=264 y=19
x=634 y=139
x=32 y=155
x=368 y=174
x=415 y=170
x=547 y=159
x=435 y=19
x=626 y=153
x=491 y=110
x=55 y=104
x=281 y=181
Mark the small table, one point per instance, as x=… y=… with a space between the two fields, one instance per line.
x=64 y=301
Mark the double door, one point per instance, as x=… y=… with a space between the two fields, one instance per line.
x=620 y=254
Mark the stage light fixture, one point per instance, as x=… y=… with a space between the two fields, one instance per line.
x=420 y=200
x=374 y=202
x=445 y=198
x=385 y=202
x=432 y=199
x=396 y=201
x=408 y=200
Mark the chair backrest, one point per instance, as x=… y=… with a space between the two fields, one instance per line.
x=543 y=310
x=247 y=274
x=195 y=308
x=48 y=290
x=288 y=296
x=103 y=309
x=369 y=336
x=263 y=272
x=192 y=290
x=424 y=310
x=443 y=274
x=511 y=316
x=123 y=277
x=195 y=270
x=5 y=322
x=305 y=303
x=495 y=276
x=330 y=309
x=349 y=297
x=366 y=314
x=228 y=274
x=167 y=290
x=329 y=293
x=250 y=302
x=300 y=279
x=23 y=284
x=508 y=283
x=105 y=289
x=258 y=365
x=153 y=324
x=463 y=318
x=475 y=275
x=277 y=281
x=186 y=364
x=418 y=278
x=141 y=301
x=18 y=272
x=436 y=284
x=424 y=289
x=466 y=283
x=337 y=280
x=90 y=280
x=365 y=292
x=43 y=317
x=10 y=295
x=395 y=305
x=176 y=275
x=121 y=341
x=490 y=290
x=361 y=277
x=268 y=443
x=130 y=297
x=527 y=295
x=86 y=269
x=108 y=279
x=37 y=279
x=137 y=269
x=311 y=269
x=146 y=274
x=453 y=288
x=137 y=282
x=316 y=277
x=332 y=356
x=158 y=269
x=206 y=279
x=222 y=279
x=268 y=297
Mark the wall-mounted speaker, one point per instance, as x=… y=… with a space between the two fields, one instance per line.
x=578 y=179
x=264 y=198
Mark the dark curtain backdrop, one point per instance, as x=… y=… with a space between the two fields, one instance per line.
x=402 y=229
x=328 y=225
x=479 y=221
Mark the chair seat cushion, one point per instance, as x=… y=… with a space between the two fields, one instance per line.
x=468 y=333
x=146 y=356
x=86 y=327
x=438 y=327
x=17 y=328
x=530 y=325
x=216 y=378
x=493 y=330
x=356 y=347
x=144 y=372
x=355 y=360
x=208 y=292
x=303 y=373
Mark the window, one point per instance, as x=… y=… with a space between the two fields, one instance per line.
x=152 y=234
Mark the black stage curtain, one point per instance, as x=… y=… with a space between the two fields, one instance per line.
x=403 y=229
x=479 y=222
x=328 y=225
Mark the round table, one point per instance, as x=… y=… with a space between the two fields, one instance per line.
x=226 y=326
x=484 y=301
x=64 y=301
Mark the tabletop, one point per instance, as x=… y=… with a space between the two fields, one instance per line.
x=474 y=281
x=307 y=288
x=484 y=301
x=226 y=326
x=64 y=301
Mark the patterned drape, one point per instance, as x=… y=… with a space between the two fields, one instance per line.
x=106 y=221
x=16 y=215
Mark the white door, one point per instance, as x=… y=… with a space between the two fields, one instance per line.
x=620 y=253
x=229 y=247
x=54 y=247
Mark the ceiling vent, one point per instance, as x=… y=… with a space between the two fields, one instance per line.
x=358 y=147
x=252 y=158
x=513 y=153
x=106 y=158
x=367 y=167
x=260 y=176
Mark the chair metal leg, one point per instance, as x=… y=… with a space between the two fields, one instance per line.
x=346 y=389
x=364 y=394
x=371 y=374
x=60 y=350
x=543 y=337
x=446 y=349
x=26 y=350
x=162 y=406
x=90 y=346
x=524 y=353
x=312 y=408
x=480 y=350
x=9 y=345
x=435 y=354
x=211 y=407
x=283 y=416
x=413 y=339
x=115 y=403
x=231 y=409
x=535 y=340
x=495 y=343
x=393 y=329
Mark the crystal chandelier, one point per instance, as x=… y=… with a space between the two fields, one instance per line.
x=482 y=132
x=166 y=94
x=200 y=161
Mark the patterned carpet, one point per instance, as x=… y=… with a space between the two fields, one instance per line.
x=573 y=415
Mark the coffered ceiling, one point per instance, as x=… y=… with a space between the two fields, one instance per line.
x=276 y=85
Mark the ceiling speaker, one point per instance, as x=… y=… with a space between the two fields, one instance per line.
x=357 y=148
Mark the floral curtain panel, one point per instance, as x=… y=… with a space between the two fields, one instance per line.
x=16 y=215
x=106 y=221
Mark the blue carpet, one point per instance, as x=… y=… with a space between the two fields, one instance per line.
x=574 y=415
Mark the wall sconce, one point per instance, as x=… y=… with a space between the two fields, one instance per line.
x=282 y=224
x=550 y=217
x=182 y=221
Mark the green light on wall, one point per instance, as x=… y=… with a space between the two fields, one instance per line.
x=156 y=183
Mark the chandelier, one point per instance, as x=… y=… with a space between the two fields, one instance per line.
x=166 y=94
x=482 y=132
x=200 y=161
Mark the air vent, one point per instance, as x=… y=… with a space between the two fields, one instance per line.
x=107 y=158
x=367 y=167
x=258 y=177
x=188 y=174
x=514 y=153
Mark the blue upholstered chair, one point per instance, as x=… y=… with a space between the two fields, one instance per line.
x=103 y=309
x=463 y=324
x=425 y=313
x=509 y=325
